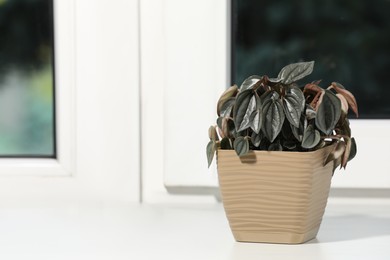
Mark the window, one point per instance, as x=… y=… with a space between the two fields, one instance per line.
x=349 y=40
x=27 y=125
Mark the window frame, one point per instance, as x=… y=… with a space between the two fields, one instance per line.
x=160 y=180
x=98 y=146
x=64 y=65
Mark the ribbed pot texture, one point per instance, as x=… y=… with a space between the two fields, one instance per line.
x=274 y=197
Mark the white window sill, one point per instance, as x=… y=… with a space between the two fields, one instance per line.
x=351 y=229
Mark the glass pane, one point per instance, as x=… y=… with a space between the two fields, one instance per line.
x=27 y=127
x=349 y=40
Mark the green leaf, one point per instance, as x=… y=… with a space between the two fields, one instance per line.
x=353 y=152
x=273 y=115
x=293 y=105
x=310 y=112
x=226 y=144
x=213 y=134
x=311 y=137
x=328 y=112
x=230 y=92
x=256 y=138
x=295 y=71
x=274 y=80
x=241 y=145
x=298 y=132
x=275 y=147
x=246 y=103
x=226 y=125
x=256 y=120
x=227 y=107
x=210 y=151
x=290 y=144
x=250 y=83
x=350 y=151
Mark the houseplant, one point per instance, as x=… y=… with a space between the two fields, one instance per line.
x=277 y=146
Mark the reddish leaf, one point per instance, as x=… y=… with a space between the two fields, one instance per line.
x=312 y=88
x=336 y=153
x=344 y=103
x=348 y=96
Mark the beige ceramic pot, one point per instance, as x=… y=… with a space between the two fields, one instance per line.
x=274 y=197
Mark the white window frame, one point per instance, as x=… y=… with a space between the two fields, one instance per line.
x=368 y=171
x=97 y=111
x=64 y=164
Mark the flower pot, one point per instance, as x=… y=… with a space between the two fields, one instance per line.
x=274 y=197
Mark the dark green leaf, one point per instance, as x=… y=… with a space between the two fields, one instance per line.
x=246 y=122
x=256 y=138
x=226 y=144
x=275 y=147
x=250 y=83
x=273 y=116
x=293 y=105
x=295 y=71
x=295 y=93
x=311 y=137
x=310 y=112
x=290 y=144
x=227 y=107
x=226 y=125
x=350 y=147
x=241 y=145
x=353 y=152
x=230 y=92
x=245 y=105
x=210 y=150
x=256 y=120
x=298 y=132
x=328 y=112
x=219 y=122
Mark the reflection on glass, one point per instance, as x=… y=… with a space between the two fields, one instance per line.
x=26 y=79
x=349 y=40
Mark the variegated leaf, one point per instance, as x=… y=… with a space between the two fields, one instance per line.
x=328 y=112
x=295 y=71
x=229 y=93
x=241 y=145
x=311 y=137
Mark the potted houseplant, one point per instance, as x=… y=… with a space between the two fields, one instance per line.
x=277 y=145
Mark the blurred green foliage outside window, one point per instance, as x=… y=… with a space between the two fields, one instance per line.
x=27 y=127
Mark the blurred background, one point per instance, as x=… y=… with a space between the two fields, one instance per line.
x=27 y=126
x=349 y=41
